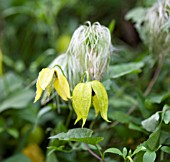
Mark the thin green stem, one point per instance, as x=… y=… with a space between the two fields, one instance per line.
x=101 y=154
x=162 y=156
x=60 y=69
x=85 y=74
x=88 y=76
x=69 y=118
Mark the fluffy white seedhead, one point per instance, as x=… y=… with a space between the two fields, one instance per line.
x=155 y=27
x=89 y=50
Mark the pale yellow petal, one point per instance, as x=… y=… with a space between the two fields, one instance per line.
x=81 y=100
x=102 y=98
x=49 y=89
x=62 y=87
x=96 y=105
x=38 y=92
x=45 y=77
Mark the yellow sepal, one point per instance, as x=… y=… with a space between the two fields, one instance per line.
x=102 y=98
x=82 y=101
x=45 y=77
x=96 y=105
x=38 y=92
x=61 y=86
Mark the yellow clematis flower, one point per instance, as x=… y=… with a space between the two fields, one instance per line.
x=82 y=99
x=49 y=78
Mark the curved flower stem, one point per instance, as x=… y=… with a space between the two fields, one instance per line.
x=94 y=154
x=60 y=69
x=85 y=74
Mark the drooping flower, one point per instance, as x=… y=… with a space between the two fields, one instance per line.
x=49 y=78
x=86 y=93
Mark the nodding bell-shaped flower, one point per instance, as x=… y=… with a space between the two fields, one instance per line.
x=49 y=78
x=86 y=93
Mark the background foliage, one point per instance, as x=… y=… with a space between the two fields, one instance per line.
x=32 y=34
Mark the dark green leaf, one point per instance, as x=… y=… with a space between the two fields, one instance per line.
x=166 y=149
x=141 y=106
x=79 y=135
x=120 y=117
x=153 y=142
x=159 y=98
x=17 y=100
x=13 y=132
x=18 y=158
x=6 y=86
x=136 y=127
x=124 y=69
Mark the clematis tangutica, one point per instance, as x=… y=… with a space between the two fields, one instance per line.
x=49 y=78
x=86 y=93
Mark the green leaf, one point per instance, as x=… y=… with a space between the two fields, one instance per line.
x=42 y=112
x=13 y=132
x=138 y=149
x=149 y=156
x=78 y=135
x=159 y=98
x=17 y=100
x=151 y=123
x=125 y=152
x=124 y=69
x=166 y=118
x=153 y=142
x=6 y=88
x=112 y=25
x=51 y=158
x=141 y=98
x=166 y=149
x=136 y=127
x=120 y=117
x=17 y=157
x=114 y=151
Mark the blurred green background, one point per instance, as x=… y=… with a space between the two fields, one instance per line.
x=32 y=34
